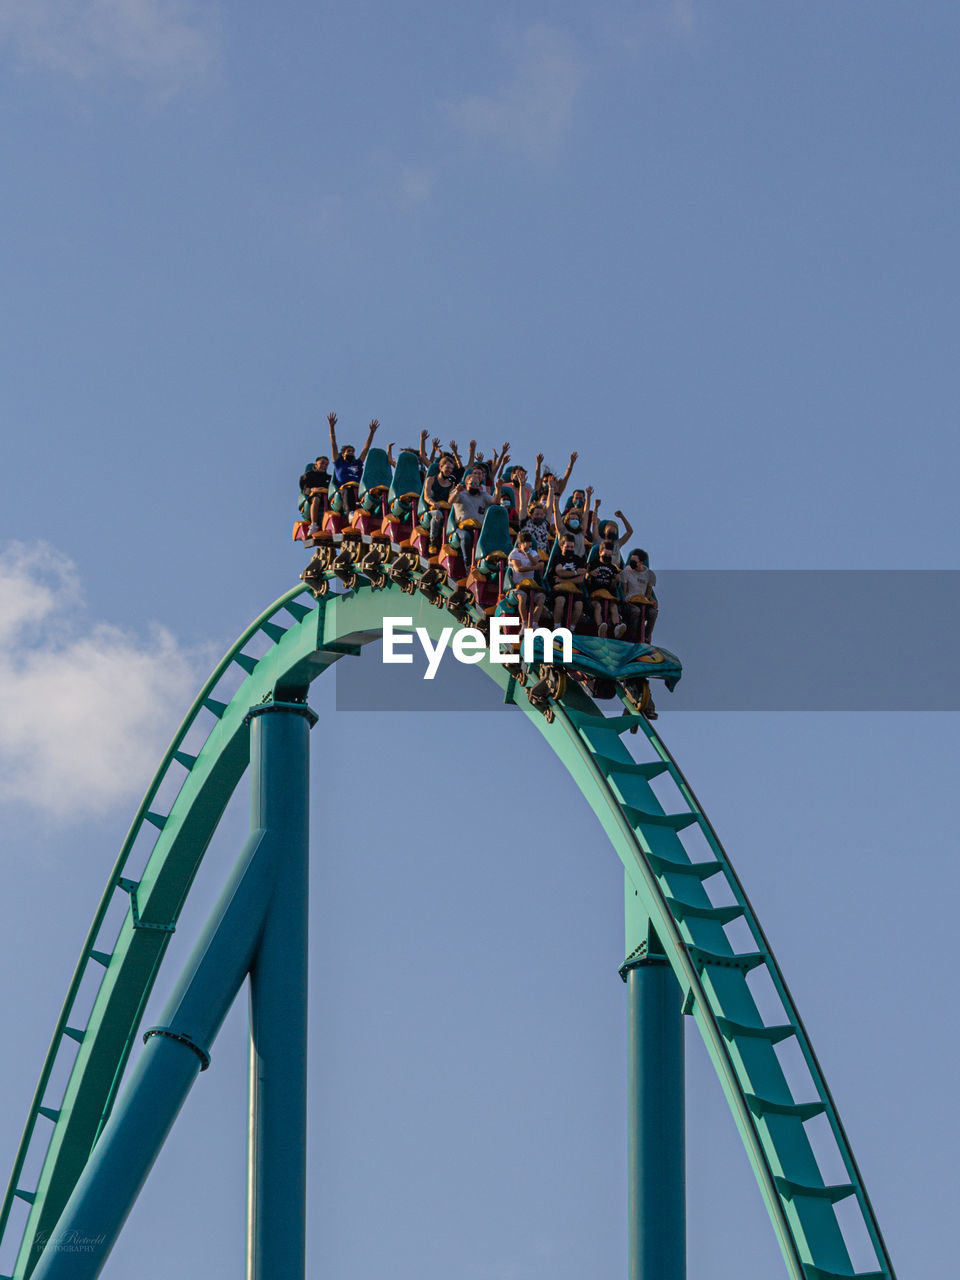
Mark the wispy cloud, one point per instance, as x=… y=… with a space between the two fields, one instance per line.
x=681 y=14
x=86 y=708
x=532 y=110
x=164 y=44
x=637 y=32
x=416 y=183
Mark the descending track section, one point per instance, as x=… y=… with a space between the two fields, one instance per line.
x=695 y=905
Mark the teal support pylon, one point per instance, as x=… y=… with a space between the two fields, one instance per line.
x=277 y=1157
x=655 y=1130
x=262 y=884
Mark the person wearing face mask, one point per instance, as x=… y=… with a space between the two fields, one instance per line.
x=534 y=521
x=610 y=535
x=576 y=521
x=347 y=467
x=470 y=501
x=637 y=582
x=603 y=578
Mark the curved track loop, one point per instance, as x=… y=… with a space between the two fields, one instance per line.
x=677 y=893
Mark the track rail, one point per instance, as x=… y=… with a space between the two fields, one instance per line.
x=693 y=928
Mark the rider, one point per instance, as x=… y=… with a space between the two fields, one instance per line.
x=314 y=484
x=610 y=534
x=560 y=481
x=438 y=490
x=565 y=579
x=577 y=521
x=525 y=570
x=470 y=501
x=602 y=578
x=348 y=468
x=534 y=521
x=639 y=580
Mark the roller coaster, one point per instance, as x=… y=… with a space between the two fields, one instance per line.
x=685 y=912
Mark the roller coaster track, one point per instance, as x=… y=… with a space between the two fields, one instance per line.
x=677 y=893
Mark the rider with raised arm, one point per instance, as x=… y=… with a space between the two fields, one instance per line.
x=470 y=501
x=561 y=482
x=419 y=450
x=610 y=535
x=577 y=521
x=347 y=467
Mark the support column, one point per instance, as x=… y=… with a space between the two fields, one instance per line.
x=178 y=1049
x=655 y=1137
x=277 y=1161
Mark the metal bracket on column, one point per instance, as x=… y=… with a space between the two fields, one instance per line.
x=299 y=708
x=639 y=956
x=181 y=1038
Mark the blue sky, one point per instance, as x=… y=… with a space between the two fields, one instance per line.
x=713 y=248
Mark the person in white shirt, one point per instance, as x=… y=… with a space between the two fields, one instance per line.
x=525 y=570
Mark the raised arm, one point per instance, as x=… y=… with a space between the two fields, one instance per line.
x=593 y=518
x=334 y=451
x=627 y=527
x=422 y=451
x=390 y=453
x=498 y=458
x=454 y=449
x=566 y=474
x=554 y=503
x=472 y=455
x=536 y=478
x=374 y=424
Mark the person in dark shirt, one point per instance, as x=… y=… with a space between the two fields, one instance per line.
x=602 y=578
x=347 y=467
x=314 y=484
x=438 y=495
x=566 y=579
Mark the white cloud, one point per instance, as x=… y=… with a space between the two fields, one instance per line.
x=532 y=111
x=166 y=44
x=86 y=709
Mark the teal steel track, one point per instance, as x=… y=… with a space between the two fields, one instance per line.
x=696 y=907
